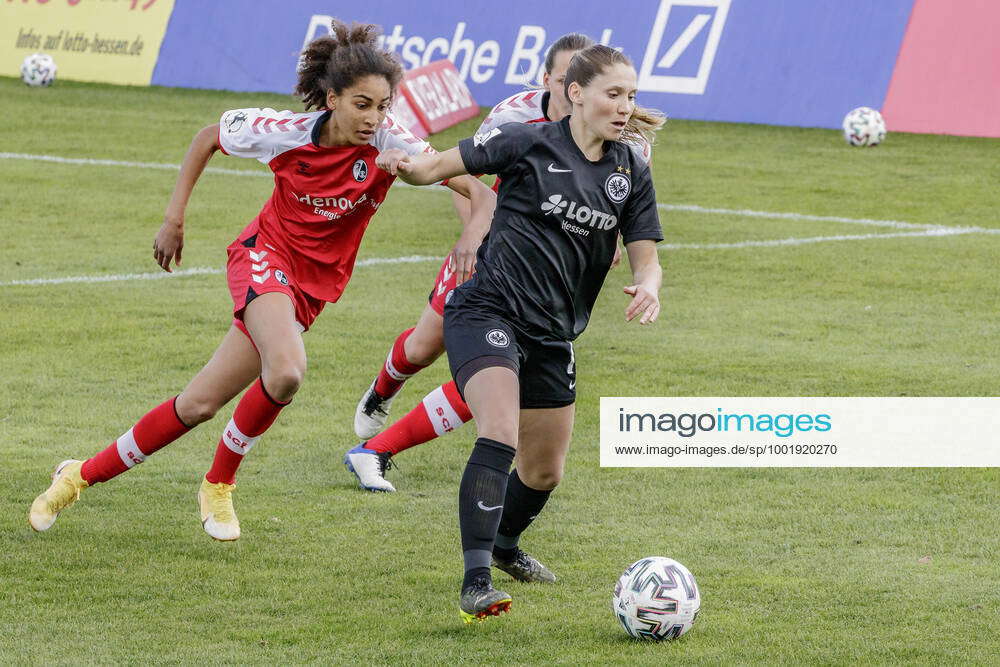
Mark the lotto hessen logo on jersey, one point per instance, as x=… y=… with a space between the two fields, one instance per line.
x=559 y=206
x=682 y=46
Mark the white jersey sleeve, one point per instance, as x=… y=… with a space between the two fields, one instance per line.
x=522 y=107
x=642 y=149
x=264 y=134
x=393 y=134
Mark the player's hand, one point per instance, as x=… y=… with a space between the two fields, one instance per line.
x=393 y=161
x=463 y=258
x=643 y=301
x=169 y=242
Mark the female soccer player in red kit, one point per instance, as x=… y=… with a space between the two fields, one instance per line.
x=293 y=258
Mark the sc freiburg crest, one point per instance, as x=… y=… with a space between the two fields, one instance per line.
x=360 y=171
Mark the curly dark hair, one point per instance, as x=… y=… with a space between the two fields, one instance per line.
x=334 y=62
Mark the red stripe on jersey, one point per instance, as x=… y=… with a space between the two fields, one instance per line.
x=280 y=125
x=300 y=124
x=267 y=125
x=527 y=98
x=256 y=121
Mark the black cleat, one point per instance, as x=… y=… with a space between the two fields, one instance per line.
x=480 y=601
x=524 y=568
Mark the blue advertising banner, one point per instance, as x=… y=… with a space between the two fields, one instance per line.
x=784 y=62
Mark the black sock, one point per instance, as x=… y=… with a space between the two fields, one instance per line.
x=521 y=505
x=480 y=503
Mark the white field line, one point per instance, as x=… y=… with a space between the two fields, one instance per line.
x=196 y=271
x=745 y=213
x=771 y=243
x=918 y=230
x=259 y=173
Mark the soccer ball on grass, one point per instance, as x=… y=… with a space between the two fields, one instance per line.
x=656 y=598
x=864 y=126
x=38 y=69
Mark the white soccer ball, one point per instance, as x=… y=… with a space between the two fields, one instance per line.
x=656 y=598
x=864 y=126
x=38 y=69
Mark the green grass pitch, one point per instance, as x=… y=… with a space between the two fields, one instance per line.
x=795 y=565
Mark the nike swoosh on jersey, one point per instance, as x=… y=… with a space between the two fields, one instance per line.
x=554 y=170
x=572 y=384
x=488 y=509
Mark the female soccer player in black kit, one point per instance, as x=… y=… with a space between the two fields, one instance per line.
x=568 y=189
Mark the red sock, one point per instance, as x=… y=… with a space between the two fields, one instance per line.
x=441 y=411
x=157 y=428
x=397 y=369
x=254 y=414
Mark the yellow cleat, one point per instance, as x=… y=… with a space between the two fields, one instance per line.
x=217 y=513
x=63 y=492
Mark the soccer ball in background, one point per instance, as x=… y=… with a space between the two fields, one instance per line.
x=38 y=69
x=656 y=598
x=864 y=126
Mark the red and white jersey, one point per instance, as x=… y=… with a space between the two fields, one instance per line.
x=527 y=106
x=323 y=197
x=531 y=106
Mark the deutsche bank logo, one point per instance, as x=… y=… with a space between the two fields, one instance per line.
x=682 y=46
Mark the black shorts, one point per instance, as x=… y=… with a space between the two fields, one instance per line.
x=477 y=338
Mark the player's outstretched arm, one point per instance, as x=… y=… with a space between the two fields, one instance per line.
x=647 y=276
x=422 y=169
x=169 y=241
x=482 y=200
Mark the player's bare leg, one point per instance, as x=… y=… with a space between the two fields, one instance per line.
x=493 y=396
x=426 y=343
x=421 y=347
x=232 y=367
x=270 y=319
x=543 y=442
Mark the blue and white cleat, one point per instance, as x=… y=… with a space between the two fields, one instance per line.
x=369 y=467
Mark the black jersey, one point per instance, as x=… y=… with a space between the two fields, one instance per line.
x=556 y=223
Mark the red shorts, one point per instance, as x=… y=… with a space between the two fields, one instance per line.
x=445 y=283
x=258 y=267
